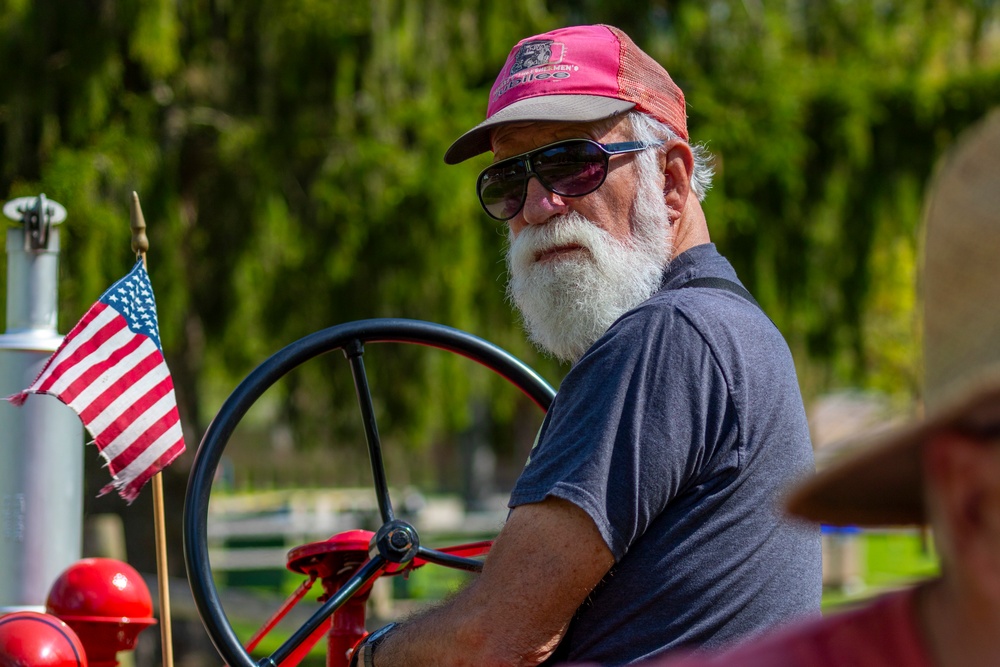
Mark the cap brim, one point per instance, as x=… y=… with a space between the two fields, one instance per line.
x=877 y=479
x=561 y=108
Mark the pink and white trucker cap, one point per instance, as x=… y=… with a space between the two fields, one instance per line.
x=581 y=73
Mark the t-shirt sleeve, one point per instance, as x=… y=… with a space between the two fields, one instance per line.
x=636 y=424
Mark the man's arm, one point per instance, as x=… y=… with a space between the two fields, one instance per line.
x=543 y=565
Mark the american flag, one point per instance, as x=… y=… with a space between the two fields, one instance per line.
x=110 y=370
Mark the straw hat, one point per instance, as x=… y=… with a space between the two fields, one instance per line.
x=877 y=480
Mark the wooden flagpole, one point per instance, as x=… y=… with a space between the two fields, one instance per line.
x=140 y=244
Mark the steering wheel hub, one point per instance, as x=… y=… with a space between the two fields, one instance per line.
x=396 y=541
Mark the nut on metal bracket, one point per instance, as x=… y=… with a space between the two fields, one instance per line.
x=37 y=214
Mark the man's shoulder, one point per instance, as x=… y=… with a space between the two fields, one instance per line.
x=700 y=284
x=701 y=261
x=703 y=308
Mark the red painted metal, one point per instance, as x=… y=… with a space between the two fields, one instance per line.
x=303 y=649
x=348 y=622
x=286 y=607
x=325 y=559
x=28 y=638
x=107 y=604
x=333 y=562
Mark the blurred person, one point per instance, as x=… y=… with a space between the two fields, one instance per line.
x=646 y=516
x=942 y=469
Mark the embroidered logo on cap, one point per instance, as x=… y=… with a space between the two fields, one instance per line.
x=543 y=56
x=535 y=54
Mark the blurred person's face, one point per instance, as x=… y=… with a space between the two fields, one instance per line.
x=962 y=496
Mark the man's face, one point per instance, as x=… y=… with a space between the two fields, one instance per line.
x=578 y=263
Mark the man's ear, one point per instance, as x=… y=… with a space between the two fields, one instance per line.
x=677 y=163
x=962 y=475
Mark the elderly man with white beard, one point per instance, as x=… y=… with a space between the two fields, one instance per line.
x=646 y=518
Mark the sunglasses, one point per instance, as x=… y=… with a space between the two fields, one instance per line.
x=570 y=168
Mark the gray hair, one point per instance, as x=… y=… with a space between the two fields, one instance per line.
x=647 y=129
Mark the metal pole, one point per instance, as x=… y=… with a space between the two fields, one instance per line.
x=42 y=442
x=140 y=244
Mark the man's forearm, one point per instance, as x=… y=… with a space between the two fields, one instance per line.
x=546 y=560
x=455 y=633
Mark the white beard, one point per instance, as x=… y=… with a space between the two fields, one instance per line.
x=568 y=302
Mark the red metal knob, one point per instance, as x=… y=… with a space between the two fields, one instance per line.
x=107 y=604
x=39 y=640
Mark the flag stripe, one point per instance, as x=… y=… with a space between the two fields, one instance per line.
x=106 y=357
x=154 y=449
x=141 y=414
x=141 y=432
x=73 y=351
x=129 y=489
x=73 y=340
x=136 y=374
x=167 y=443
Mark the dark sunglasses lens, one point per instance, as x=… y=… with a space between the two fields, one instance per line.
x=501 y=189
x=571 y=169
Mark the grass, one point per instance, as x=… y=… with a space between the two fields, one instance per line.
x=887 y=560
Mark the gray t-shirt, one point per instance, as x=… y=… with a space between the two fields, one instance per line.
x=677 y=432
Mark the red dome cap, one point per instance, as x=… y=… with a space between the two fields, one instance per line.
x=100 y=588
x=31 y=639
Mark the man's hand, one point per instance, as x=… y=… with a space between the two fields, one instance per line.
x=543 y=565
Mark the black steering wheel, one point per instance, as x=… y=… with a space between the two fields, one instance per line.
x=396 y=543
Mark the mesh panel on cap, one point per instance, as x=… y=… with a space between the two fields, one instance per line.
x=644 y=81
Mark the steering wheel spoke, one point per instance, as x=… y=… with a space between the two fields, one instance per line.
x=449 y=560
x=365 y=574
x=354 y=352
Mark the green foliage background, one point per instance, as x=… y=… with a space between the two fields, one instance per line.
x=288 y=159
